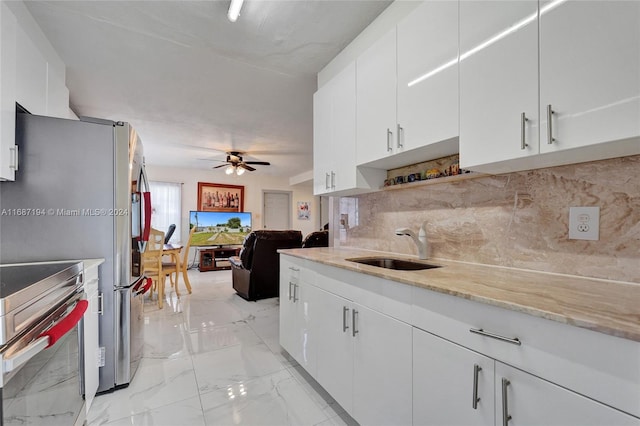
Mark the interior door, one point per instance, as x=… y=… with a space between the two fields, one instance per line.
x=277 y=210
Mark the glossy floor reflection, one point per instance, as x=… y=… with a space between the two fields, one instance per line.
x=212 y=358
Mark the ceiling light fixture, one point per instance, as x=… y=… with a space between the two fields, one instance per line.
x=234 y=10
x=229 y=170
x=239 y=171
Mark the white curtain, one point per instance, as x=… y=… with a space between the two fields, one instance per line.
x=166 y=205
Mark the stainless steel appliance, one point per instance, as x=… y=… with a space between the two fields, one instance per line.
x=40 y=307
x=81 y=193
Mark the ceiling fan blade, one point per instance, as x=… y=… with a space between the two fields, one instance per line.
x=221 y=165
x=263 y=163
x=244 y=166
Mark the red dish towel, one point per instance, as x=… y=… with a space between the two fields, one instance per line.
x=67 y=323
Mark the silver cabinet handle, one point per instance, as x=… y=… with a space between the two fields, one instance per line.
x=333 y=180
x=14 y=163
x=550 y=113
x=295 y=293
x=345 y=313
x=400 y=132
x=389 y=137
x=505 y=408
x=290 y=292
x=476 y=370
x=326 y=181
x=101 y=304
x=480 y=331
x=294 y=269
x=354 y=324
x=523 y=141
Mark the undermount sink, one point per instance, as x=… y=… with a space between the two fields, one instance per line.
x=390 y=263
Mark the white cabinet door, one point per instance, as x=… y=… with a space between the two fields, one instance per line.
x=498 y=82
x=428 y=74
x=376 y=94
x=31 y=78
x=297 y=312
x=381 y=368
x=447 y=379
x=321 y=140
x=91 y=335
x=528 y=400
x=589 y=72
x=335 y=347
x=288 y=309
x=334 y=144
x=8 y=148
x=343 y=127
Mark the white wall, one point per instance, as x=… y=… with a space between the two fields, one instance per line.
x=254 y=183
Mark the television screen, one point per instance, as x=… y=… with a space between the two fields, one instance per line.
x=219 y=228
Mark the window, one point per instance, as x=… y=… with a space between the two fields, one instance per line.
x=166 y=207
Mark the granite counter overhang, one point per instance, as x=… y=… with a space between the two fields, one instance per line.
x=610 y=307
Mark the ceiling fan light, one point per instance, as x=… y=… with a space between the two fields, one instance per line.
x=229 y=170
x=239 y=171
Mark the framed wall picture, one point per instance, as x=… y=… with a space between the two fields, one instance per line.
x=304 y=212
x=216 y=197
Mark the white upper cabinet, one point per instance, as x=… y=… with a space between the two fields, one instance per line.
x=589 y=72
x=585 y=80
x=8 y=148
x=498 y=81
x=427 y=64
x=31 y=79
x=334 y=139
x=322 y=140
x=376 y=94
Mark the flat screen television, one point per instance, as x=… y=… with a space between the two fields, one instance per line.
x=219 y=228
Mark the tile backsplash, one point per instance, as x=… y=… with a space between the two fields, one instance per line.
x=518 y=219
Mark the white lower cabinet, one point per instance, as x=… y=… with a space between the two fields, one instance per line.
x=360 y=356
x=335 y=348
x=524 y=399
x=418 y=363
x=296 y=313
x=364 y=360
x=452 y=385
x=382 y=368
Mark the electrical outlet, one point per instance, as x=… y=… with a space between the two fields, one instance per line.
x=584 y=223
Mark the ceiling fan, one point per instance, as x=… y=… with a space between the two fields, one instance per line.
x=236 y=164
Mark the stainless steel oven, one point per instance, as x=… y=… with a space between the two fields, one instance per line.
x=40 y=308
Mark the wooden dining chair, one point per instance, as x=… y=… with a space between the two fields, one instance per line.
x=152 y=263
x=180 y=267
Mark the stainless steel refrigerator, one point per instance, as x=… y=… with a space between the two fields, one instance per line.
x=80 y=193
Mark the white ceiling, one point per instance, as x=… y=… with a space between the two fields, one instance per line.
x=195 y=85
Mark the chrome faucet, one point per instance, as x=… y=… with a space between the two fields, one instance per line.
x=420 y=239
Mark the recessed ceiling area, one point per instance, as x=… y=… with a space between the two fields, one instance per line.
x=195 y=85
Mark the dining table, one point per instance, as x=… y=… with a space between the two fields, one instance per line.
x=173 y=250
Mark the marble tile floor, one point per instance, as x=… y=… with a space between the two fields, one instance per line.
x=212 y=358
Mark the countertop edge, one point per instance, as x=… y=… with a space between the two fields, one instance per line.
x=581 y=321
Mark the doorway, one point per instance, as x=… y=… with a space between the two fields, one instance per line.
x=276 y=209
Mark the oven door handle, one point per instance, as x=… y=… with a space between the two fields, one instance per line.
x=47 y=338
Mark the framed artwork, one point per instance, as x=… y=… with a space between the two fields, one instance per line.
x=216 y=197
x=304 y=213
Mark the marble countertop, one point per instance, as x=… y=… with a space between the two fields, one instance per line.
x=610 y=307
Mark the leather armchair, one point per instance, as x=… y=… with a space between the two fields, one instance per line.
x=256 y=271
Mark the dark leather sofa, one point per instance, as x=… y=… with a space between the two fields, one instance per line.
x=256 y=271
